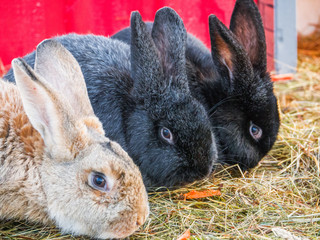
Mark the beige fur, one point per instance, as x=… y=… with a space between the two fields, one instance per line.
x=50 y=143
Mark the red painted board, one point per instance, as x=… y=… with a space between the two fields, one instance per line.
x=266 y=8
x=23 y=24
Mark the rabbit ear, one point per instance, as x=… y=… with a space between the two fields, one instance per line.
x=228 y=55
x=247 y=25
x=145 y=64
x=45 y=113
x=63 y=129
x=169 y=35
x=57 y=65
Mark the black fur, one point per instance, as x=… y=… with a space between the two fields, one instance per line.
x=137 y=90
x=233 y=84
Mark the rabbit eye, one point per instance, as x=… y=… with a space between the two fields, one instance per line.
x=98 y=181
x=255 y=131
x=166 y=135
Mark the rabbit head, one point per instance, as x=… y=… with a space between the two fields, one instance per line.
x=232 y=83
x=168 y=133
x=91 y=185
x=237 y=89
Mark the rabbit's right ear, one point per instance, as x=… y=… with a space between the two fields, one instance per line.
x=51 y=105
x=145 y=63
x=58 y=67
x=228 y=55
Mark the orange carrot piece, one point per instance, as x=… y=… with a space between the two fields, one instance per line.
x=279 y=77
x=185 y=235
x=201 y=194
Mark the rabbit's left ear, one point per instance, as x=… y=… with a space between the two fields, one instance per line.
x=247 y=26
x=58 y=110
x=45 y=111
x=229 y=56
x=169 y=36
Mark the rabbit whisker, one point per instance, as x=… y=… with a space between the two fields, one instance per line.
x=223 y=128
x=269 y=142
x=227 y=99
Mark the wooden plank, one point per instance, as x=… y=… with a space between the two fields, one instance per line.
x=270 y=2
x=285 y=36
x=266 y=8
x=26 y=23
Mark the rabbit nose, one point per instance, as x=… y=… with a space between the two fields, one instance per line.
x=140 y=220
x=143 y=213
x=142 y=216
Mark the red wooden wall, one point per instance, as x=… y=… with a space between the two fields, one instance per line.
x=266 y=8
x=25 y=23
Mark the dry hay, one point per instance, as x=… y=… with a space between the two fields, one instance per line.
x=310 y=44
x=282 y=192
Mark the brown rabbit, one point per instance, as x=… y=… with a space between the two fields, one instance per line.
x=56 y=165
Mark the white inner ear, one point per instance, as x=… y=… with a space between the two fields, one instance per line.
x=42 y=113
x=229 y=70
x=61 y=77
x=62 y=71
x=39 y=106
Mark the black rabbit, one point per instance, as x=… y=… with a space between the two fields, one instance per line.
x=141 y=96
x=233 y=84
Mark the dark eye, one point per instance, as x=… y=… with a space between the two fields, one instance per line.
x=166 y=135
x=255 y=131
x=98 y=181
